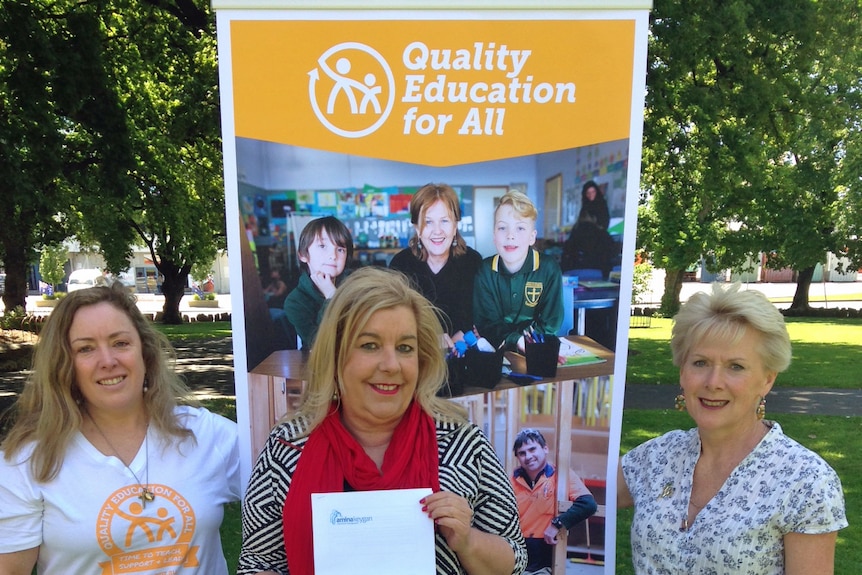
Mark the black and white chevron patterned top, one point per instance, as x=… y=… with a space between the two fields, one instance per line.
x=468 y=467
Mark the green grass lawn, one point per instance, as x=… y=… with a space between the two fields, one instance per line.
x=826 y=353
x=193 y=330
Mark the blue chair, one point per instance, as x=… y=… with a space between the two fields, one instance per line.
x=587 y=274
x=570 y=284
x=570 y=304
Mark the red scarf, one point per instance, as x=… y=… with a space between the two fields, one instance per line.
x=332 y=456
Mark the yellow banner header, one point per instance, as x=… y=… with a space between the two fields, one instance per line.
x=433 y=92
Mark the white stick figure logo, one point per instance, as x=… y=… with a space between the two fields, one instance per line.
x=362 y=95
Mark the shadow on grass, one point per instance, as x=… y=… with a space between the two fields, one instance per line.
x=649 y=362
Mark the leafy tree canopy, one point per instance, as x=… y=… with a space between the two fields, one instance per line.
x=117 y=133
x=751 y=109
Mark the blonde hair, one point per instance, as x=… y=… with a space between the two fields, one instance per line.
x=49 y=411
x=419 y=204
x=365 y=292
x=520 y=203
x=726 y=314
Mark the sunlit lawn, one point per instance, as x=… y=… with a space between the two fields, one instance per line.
x=826 y=353
x=197 y=329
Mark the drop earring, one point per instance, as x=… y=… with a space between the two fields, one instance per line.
x=679 y=402
x=761 y=408
x=146 y=385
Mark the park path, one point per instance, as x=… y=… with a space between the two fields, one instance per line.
x=207 y=366
x=815 y=401
x=812 y=401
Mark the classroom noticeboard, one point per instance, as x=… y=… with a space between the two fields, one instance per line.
x=348 y=111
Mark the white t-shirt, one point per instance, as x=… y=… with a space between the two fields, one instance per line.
x=780 y=487
x=89 y=519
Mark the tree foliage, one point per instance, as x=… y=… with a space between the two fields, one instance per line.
x=51 y=264
x=750 y=114
x=135 y=154
x=35 y=102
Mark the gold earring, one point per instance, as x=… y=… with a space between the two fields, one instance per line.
x=761 y=408
x=679 y=402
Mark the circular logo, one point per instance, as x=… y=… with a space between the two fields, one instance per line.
x=146 y=533
x=352 y=90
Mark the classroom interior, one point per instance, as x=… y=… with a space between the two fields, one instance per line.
x=280 y=187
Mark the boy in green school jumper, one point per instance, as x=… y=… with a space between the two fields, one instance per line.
x=518 y=288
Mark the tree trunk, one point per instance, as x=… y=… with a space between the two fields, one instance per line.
x=173 y=288
x=672 y=288
x=15 y=262
x=803 y=284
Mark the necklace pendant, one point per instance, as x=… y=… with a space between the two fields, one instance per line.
x=147 y=495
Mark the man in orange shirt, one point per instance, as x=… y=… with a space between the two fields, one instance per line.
x=535 y=485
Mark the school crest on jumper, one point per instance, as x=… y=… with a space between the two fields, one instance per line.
x=532 y=293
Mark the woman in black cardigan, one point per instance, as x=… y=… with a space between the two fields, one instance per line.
x=438 y=260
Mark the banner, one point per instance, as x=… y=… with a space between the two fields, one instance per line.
x=349 y=112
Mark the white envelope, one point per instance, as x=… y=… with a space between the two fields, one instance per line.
x=372 y=533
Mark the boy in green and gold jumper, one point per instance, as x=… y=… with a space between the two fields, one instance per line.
x=517 y=289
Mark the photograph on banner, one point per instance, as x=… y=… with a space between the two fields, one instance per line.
x=276 y=205
x=501 y=394
x=554 y=434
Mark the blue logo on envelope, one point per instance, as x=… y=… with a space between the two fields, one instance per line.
x=336 y=518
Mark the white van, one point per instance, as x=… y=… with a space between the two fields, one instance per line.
x=86 y=278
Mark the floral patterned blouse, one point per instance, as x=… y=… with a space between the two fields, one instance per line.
x=780 y=487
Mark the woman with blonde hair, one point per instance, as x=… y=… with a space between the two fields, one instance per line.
x=370 y=419
x=100 y=451
x=734 y=494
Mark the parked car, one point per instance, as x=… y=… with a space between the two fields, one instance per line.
x=86 y=278
x=127 y=278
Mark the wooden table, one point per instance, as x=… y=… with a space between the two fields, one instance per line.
x=275 y=384
x=519 y=365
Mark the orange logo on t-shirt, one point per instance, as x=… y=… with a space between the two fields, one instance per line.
x=142 y=536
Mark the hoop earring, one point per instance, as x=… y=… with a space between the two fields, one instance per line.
x=679 y=402
x=761 y=408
